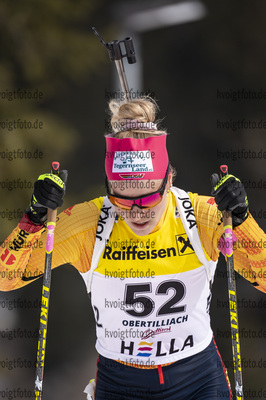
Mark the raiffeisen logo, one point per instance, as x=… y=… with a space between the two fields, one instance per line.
x=133 y=253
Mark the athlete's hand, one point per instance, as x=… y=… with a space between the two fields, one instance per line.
x=49 y=190
x=230 y=195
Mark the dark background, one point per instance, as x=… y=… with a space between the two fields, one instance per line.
x=49 y=46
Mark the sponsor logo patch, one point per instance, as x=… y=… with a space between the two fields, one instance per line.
x=184 y=247
x=132 y=161
x=131 y=176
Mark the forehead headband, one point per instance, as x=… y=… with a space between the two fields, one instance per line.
x=130 y=158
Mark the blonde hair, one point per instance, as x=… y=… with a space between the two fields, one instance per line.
x=142 y=109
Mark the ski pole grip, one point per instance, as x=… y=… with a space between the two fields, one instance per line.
x=227 y=221
x=55 y=167
x=51 y=214
x=227 y=215
x=227 y=218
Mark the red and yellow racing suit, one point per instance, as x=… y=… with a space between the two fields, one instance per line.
x=22 y=254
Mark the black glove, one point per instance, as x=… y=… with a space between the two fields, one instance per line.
x=230 y=195
x=48 y=192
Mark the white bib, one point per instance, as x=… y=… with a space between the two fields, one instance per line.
x=144 y=318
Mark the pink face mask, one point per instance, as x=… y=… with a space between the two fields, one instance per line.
x=130 y=158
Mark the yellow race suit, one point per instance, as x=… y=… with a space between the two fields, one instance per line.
x=22 y=254
x=158 y=276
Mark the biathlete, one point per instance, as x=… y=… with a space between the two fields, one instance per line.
x=150 y=249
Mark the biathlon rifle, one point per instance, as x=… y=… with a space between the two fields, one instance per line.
x=115 y=53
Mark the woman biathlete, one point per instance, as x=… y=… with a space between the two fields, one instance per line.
x=147 y=253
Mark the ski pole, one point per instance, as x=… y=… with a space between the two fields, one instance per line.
x=228 y=237
x=51 y=221
x=115 y=54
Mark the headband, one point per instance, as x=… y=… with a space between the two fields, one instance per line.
x=130 y=158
